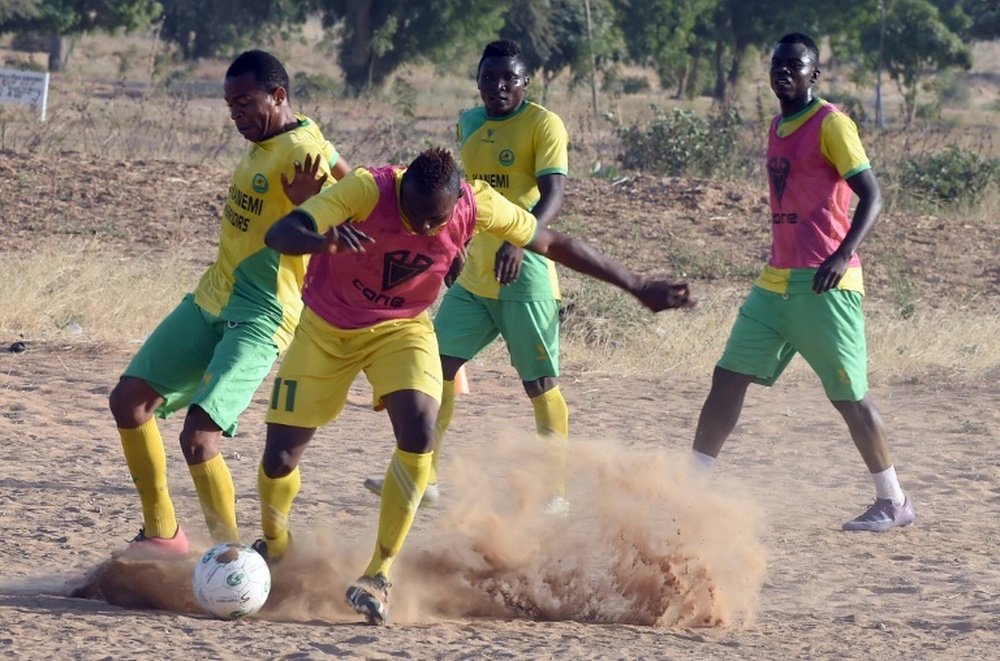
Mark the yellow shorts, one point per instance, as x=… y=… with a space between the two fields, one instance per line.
x=323 y=360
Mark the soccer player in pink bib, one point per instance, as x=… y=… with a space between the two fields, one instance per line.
x=366 y=310
x=807 y=300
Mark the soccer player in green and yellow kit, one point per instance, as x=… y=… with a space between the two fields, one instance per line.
x=213 y=351
x=520 y=149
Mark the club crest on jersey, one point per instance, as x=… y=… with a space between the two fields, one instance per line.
x=398 y=267
x=778 y=168
x=506 y=158
x=260 y=183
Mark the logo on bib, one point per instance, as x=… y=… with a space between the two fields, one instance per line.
x=398 y=267
x=259 y=183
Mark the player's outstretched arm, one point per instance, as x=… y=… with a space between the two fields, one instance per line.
x=657 y=295
x=294 y=235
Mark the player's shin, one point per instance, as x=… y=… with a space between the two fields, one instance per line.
x=552 y=424
x=217 y=495
x=445 y=414
x=276 y=497
x=147 y=463
x=403 y=488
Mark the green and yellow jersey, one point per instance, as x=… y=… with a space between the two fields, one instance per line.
x=249 y=281
x=510 y=153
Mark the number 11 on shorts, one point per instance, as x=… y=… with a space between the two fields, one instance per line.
x=289 y=385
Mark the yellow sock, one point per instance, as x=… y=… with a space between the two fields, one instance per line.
x=445 y=414
x=276 y=497
x=217 y=495
x=552 y=423
x=402 y=490
x=147 y=462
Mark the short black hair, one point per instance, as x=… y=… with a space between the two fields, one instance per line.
x=434 y=170
x=805 y=40
x=502 y=48
x=266 y=68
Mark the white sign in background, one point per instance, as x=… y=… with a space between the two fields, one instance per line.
x=26 y=88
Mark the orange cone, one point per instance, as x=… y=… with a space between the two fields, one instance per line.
x=461 y=382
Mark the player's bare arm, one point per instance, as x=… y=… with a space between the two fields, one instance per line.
x=509 y=257
x=657 y=295
x=294 y=235
x=866 y=187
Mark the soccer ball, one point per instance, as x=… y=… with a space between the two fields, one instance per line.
x=231 y=581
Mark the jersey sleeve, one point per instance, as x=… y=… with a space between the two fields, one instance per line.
x=352 y=198
x=551 y=146
x=841 y=145
x=501 y=217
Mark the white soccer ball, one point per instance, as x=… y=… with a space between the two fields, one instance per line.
x=231 y=581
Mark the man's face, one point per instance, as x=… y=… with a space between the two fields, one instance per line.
x=255 y=113
x=426 y=212
x=793 y=72
x=501 y=82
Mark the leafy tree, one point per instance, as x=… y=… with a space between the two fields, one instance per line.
x=379 y=37
x=17 y=10
x=661 y=33
x=209 y=29
x=553 y=36
x=61 y=18
x=917 y=41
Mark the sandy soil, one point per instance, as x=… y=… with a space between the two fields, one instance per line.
x=650 y=562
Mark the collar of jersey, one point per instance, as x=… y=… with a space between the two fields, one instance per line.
x=513 y=113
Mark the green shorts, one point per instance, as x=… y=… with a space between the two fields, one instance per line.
x=196 y=358
x=828 y=330
x=466 y=324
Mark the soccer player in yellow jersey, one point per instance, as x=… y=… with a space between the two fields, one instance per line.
x=368 y=312
x=213 y=351
x=520 y=149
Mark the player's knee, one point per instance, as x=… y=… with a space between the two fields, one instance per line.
x=128 y=406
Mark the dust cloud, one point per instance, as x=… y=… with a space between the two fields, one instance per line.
x=644 y=542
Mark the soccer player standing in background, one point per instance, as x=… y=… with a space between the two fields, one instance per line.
x=213 y=351
x=520 y=149
x=808 y=298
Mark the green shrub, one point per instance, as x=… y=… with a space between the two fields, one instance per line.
x=954 y=175
x=682 y=143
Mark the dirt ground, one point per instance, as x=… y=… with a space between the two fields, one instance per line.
x=647 y=557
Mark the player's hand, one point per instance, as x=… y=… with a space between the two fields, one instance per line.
x=507 y=265
x=456 y=267
x=346 y=237
x=830 y=272
x=305 y=183
x=660 y=295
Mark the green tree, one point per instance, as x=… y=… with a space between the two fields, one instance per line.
x=917 y=41
x=379 y=37
x=17 y=10
x=64 y=18
x=553 y=36
x=661 y=34
x=208 y=29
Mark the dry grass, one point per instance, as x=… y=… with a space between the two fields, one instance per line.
x=83 y=290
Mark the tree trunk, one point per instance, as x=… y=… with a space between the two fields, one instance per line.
x=358 y=56
x=720 y=73
x=682 y=80
x=57 y=52
x=735 y=73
